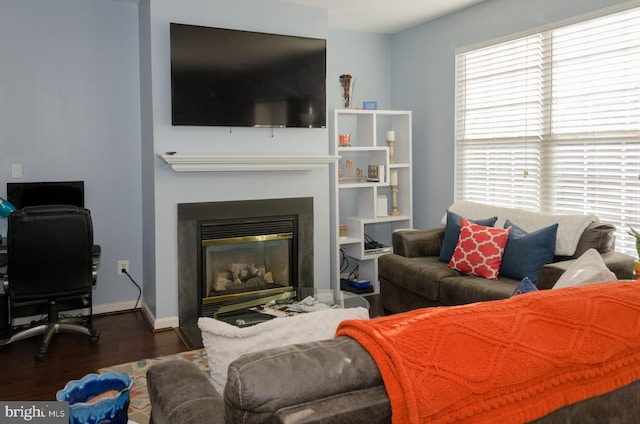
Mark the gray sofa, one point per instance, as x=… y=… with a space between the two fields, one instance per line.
x=333 y=381
x=414 y=277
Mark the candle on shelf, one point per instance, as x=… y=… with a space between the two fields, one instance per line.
x=393 y=178
x=391 y=135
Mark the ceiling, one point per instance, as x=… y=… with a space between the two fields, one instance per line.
x=384 y=16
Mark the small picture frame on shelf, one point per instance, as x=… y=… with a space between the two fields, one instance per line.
x=375 y=173
x=370 y=105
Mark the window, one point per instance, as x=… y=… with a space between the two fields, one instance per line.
x=550 y=122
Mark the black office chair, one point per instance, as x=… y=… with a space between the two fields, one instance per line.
x=51 y=267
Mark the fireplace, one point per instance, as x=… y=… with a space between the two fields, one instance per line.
x=228 y=251
x=242 y=257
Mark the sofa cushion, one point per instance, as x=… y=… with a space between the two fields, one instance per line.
x=452 y=233
x=525 y=286
x=469 y=289
x=526 y=253
x=421 y=275
x=479 y=249
x=587 y=269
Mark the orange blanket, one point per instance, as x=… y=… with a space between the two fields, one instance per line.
x=506 y=361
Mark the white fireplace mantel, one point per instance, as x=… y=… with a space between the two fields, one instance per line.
x=224 y=163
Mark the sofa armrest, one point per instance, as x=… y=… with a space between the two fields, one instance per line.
x=181 y=393
x=261 y=385
x=619 y=263
x=415 y=243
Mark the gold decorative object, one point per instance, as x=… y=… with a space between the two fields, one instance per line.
x=391 y=141
x=346 y=82
x=347 y=173
x=393 y=182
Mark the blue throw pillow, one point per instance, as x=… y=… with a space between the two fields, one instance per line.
x=452 y=233
x=525 y=286
x=526 y=253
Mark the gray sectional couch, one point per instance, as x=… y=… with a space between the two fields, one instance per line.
x=337 y=381
x=331 y=382
x=414 y=277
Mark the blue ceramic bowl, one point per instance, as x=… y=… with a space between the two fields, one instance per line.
x=108 y=410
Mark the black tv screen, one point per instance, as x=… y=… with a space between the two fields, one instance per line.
x=224 y=77
x=22 y=195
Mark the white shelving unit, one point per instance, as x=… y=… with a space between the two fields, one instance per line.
x=355 y=201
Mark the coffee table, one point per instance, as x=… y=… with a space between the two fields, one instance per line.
x=244 y=314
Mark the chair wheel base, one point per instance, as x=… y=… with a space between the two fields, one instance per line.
x=39 y=356
x=95 y=336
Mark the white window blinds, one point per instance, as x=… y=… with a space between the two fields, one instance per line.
x=551 y=122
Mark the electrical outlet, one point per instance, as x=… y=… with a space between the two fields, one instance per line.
x=16 y=170
x=123 y=264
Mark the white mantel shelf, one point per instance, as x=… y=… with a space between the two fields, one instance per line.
x=225 y=163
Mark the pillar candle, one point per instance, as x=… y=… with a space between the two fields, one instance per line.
x=393 y=178
x=391 y=135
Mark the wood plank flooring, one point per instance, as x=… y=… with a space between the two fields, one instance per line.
x=124 y=337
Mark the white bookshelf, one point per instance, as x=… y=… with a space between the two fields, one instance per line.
x=355 y=201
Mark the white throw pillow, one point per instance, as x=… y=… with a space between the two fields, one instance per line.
x=224 y=342
x=587 y=269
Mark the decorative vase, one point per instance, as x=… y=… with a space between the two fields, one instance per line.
x=346 y=83
x=84 y=409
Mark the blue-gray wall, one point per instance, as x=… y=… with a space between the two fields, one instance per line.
x=79 y=99
x=423 y=80
x=70 y=110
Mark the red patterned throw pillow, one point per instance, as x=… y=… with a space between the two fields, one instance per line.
x=479 y=249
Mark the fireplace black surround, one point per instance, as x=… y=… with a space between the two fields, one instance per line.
x=191 y=216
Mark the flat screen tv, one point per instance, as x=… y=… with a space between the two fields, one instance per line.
x=232 y=78
x=22 y=195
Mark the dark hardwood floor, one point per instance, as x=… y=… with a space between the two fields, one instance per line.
x=124 y=337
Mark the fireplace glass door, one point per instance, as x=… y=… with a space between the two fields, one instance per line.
x=238 y=265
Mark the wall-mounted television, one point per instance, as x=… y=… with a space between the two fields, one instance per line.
x=233 y=78
x=22 y=195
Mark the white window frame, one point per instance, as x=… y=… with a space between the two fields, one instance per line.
x=516 y=143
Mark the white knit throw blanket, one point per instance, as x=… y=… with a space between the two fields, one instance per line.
x=225 y=342
x=570 y=227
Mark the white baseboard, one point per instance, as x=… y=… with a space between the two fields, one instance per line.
x=158 y=324
x=107 y=308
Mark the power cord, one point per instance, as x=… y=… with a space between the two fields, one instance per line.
x=344 y=265
x=370 y=243
x=124 y=271
x=355 y=273
x=344 y=261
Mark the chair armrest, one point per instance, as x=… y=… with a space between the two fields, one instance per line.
x=96 y=250
x=181 y=393
x=414 y=243
x=619 y=263
x=3 y=264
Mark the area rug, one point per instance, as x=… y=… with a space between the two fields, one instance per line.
x=139 y=404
